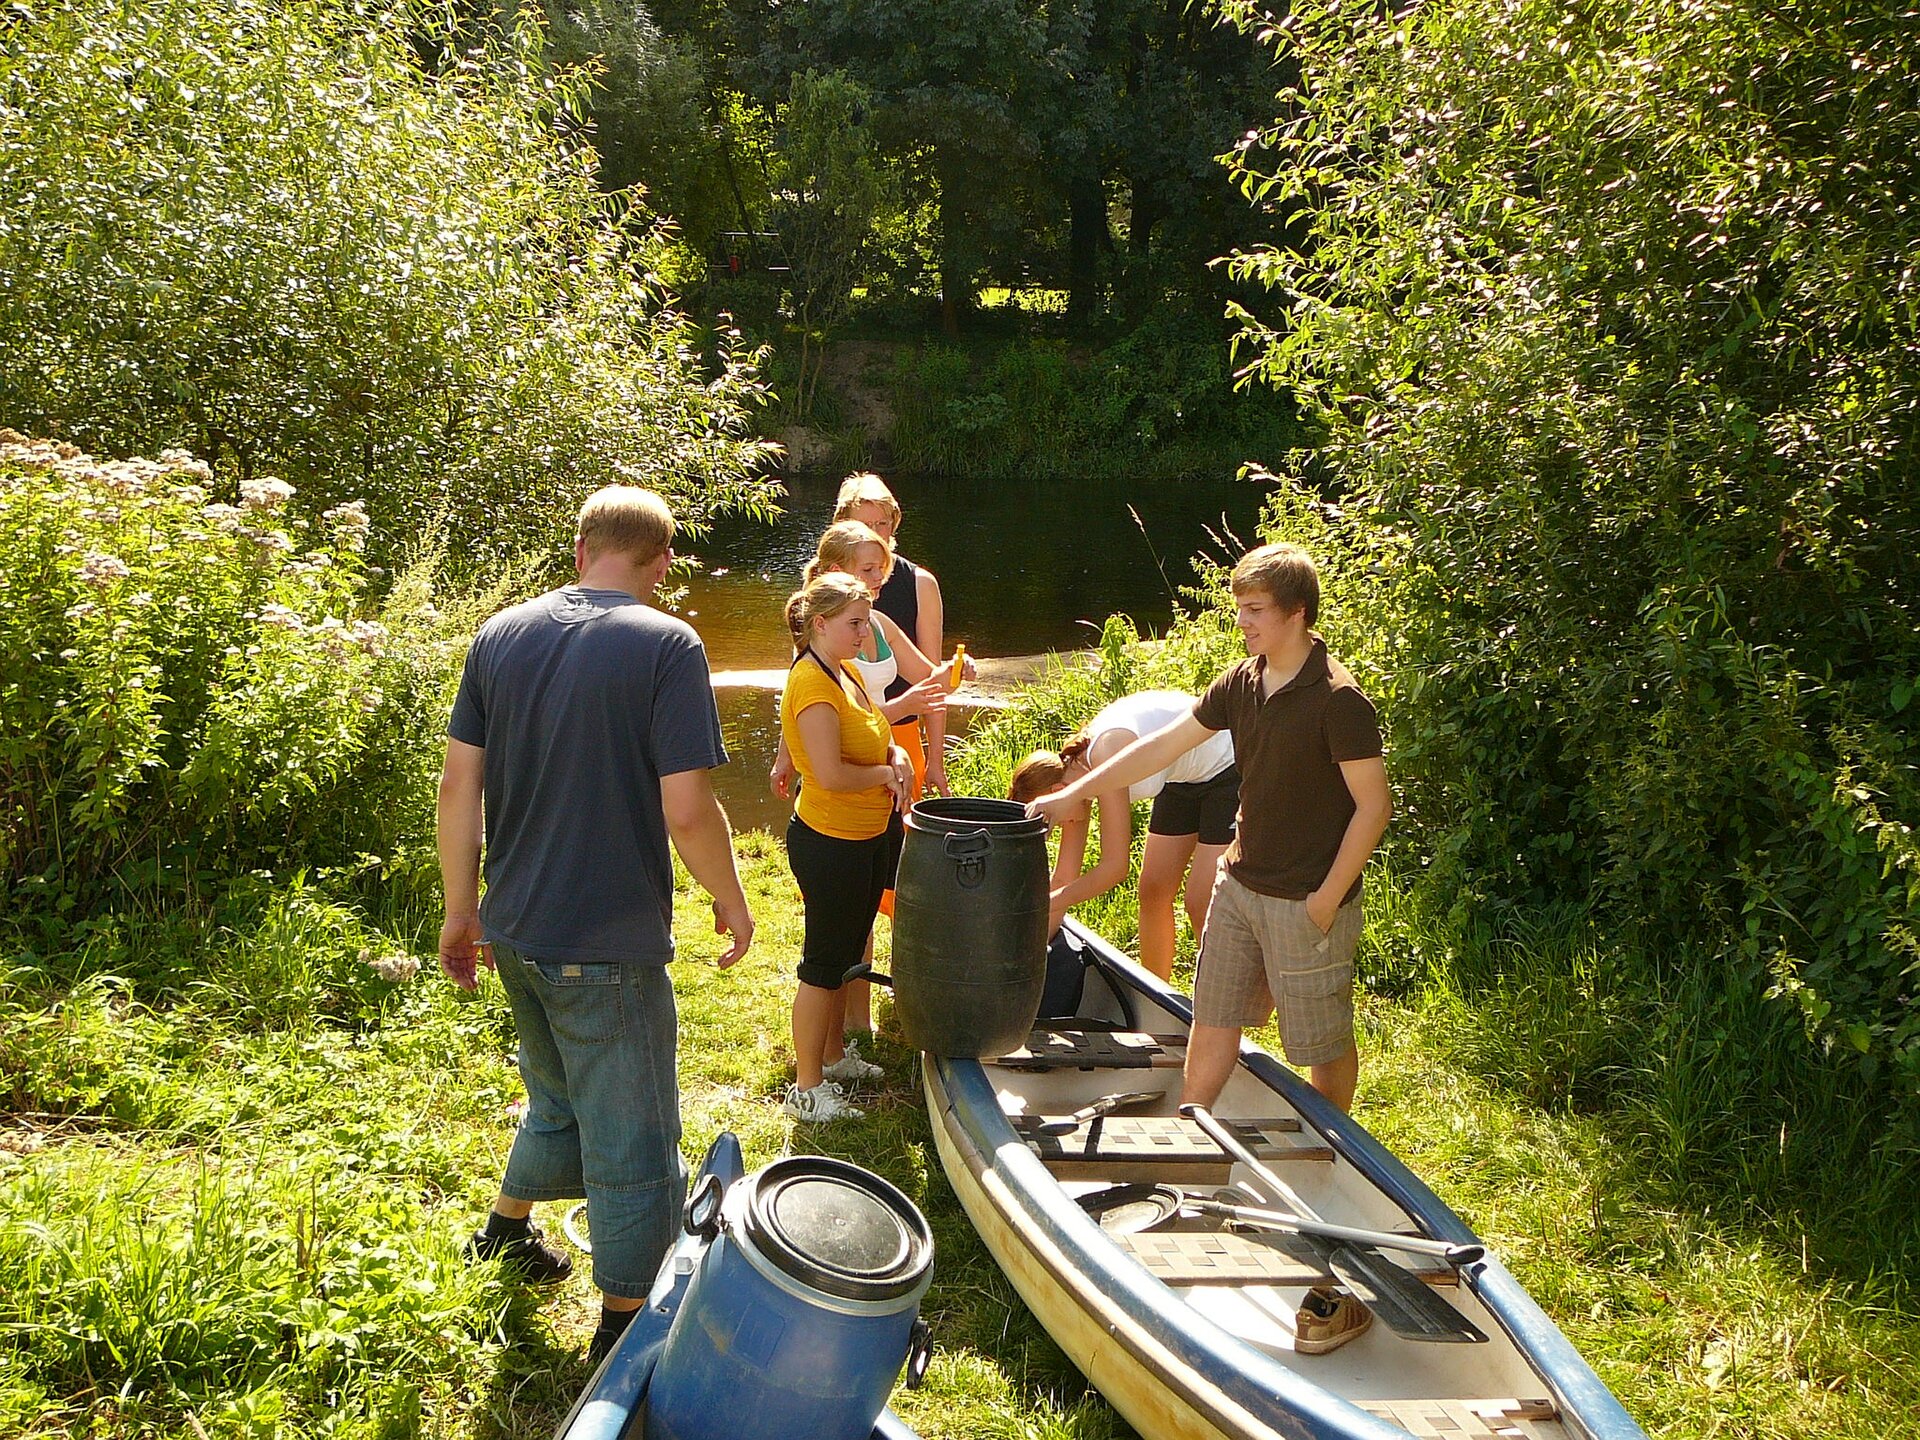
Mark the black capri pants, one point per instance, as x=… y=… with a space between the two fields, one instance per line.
x=841 y=882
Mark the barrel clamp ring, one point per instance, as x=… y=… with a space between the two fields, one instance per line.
x=970 y=853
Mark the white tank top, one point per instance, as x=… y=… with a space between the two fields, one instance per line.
x=879 y=673
x=1152 y=710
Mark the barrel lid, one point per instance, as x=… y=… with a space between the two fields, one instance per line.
x=837 y=1228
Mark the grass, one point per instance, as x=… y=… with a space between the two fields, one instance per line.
x=226 y=1212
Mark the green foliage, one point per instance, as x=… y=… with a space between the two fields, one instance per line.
x=191 y=690
x=1154 y=404
x=831 y=191
x=273 y=235
x=1070 y=143
x=1606 y=322
x=656 y=124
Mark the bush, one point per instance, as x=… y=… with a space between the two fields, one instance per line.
x=275 y=236
x=1607 y=322
x=191 y=691
x=1156 y=402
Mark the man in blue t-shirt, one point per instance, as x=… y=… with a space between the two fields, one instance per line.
x=583 y=732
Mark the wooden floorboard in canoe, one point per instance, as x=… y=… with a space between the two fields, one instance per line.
x=1222 y=1257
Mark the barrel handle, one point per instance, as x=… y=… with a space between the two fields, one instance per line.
x=869 y=974
x=701 y=1214
x=919 y=1353
x=970 y=853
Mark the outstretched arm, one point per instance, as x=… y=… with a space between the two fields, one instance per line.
x=1116 y=855
x=932 y=642
x=459 y=831
x=928 y=693
x=705 y=841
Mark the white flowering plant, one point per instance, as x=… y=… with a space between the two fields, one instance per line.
x=193 y=689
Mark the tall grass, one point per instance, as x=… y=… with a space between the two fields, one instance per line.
x=222 y=1220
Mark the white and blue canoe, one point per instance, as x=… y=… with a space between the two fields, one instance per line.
x=1168 y=1253
x=614 y=1404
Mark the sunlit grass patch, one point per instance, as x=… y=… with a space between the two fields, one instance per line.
x=1033 y=300
x=247 y=1223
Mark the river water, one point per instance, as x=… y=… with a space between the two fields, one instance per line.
x=1024 y=568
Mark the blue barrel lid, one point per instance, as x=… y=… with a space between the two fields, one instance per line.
x=837 y=1228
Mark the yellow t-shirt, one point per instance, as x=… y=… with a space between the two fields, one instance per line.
x=864 y=738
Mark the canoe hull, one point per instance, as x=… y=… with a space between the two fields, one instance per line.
x=1163 y=1364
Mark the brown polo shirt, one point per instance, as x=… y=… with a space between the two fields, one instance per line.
x=1294 y=802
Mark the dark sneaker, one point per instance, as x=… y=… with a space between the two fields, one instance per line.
x=527 y=1256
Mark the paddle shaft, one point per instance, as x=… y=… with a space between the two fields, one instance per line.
x=1280 y=1220
x=1312 y=1224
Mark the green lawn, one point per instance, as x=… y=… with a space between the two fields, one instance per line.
x=230 y=1216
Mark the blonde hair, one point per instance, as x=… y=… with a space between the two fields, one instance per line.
x=1285 y=573
x=626 y=520
x=839 y=549
x=821 y=598
x=1046 y=770
x=866 y=488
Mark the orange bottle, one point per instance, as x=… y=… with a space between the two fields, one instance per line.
x=959 y=664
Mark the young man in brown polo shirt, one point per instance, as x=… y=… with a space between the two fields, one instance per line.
x=1285 y=917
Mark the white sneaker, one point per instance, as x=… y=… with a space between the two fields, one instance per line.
x=826 y=1101
x=850 y=1068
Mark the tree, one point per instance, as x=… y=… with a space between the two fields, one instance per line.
x=831 y=187
x=1608 y=321
x=278 y=237
x=945 y=77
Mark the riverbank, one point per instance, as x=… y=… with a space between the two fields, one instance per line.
x=216 y=1223
x=1152 y=399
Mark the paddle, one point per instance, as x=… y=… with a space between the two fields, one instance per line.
x=1402 y=1302
x=1105 y=1105
x=1387 y=1239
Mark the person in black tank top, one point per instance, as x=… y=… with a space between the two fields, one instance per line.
x=911 y=599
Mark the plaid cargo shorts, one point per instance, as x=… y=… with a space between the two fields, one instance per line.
x=1259 y=950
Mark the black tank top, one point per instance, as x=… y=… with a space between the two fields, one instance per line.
x=899 y=601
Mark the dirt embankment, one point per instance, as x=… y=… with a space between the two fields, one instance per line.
x=856 y=374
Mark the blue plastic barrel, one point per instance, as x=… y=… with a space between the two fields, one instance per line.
x=801 y=1313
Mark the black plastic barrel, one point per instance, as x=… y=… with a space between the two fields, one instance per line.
x=970 y=927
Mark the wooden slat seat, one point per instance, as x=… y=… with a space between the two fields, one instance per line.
x=1157 y=1139
x=1229 y=1257
x=1463 y=1419
x=1094 y=1050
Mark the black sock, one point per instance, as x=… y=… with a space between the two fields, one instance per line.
x=613 y=1323
x=502 y=1227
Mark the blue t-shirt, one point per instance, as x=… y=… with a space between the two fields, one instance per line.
x=582 y=700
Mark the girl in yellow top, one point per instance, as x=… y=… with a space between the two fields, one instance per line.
x=890 y=664
x=842 y=841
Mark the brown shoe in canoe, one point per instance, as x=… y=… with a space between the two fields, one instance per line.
x=1327 y=1320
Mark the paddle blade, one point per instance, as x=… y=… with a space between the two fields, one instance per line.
x=1403 y=1304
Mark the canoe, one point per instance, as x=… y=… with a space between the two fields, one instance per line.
x=1186 y=1326
x=613 y=1404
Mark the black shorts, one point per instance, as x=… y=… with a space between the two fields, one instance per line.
x=840 y=881
x=1201 y=807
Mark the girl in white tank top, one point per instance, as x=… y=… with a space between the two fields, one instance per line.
x=1203 y=797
